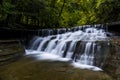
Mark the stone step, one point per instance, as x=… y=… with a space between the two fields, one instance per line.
x=10 y=50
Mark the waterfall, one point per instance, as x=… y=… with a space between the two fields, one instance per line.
x=77 y=44
x=88 y=56
x=71 y=49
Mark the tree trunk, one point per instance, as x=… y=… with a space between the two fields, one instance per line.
x=27 y=20
x=9 y=18
x=1 y=1
x=37 y=22
x=60 y=13
x=53 y=3
x=13 y=1
x=18 y=18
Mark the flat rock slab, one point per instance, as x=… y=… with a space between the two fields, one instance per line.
x=28 y=68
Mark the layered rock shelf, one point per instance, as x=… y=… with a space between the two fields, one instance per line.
x=112 y=63
x=10 y=50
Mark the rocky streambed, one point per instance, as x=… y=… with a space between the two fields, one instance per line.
x=28 y=68
x=14 y=67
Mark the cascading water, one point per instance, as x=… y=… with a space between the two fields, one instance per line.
x=78 y=46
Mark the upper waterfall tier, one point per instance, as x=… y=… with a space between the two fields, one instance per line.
x=48 y=32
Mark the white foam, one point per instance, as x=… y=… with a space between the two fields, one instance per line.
x=46 y=56
x=83 y=66
x=31 y=52
x=53 y=57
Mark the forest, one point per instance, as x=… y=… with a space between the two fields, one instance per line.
x=59 y=40
x=42 y=14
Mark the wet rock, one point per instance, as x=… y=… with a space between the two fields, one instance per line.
x=0 y=50
x=60 y=69
x=112 y=63
x=70 y=71
x=10 y=50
